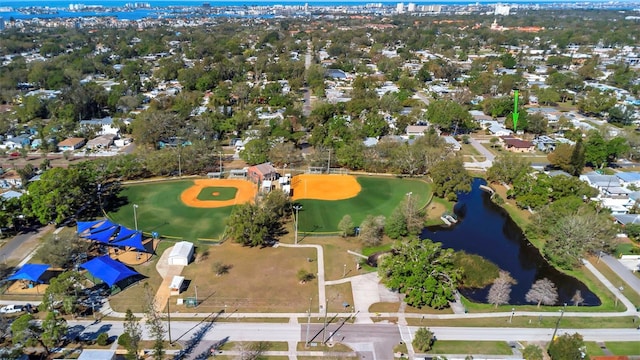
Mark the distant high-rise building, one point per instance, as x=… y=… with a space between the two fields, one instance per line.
x=411 y=7
x=434 y=9
x=502 y=10
x=400 y=8
x=1 y=24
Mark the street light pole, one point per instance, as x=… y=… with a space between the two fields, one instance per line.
x=409 y=209
x=179 y=164
x=135 y=216
x=296 y=208
x=513 y=310
x=558 y=323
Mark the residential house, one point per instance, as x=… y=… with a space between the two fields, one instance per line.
x=260 y=173
x=101 y=142
x=516 y=145
x=416 y=130
x=495 y=128
x=11 y=194
x=71 y=144
x=10 y=179
x=628 y=178
x=626 y=219
x=545 y=143
x=16 y=142
x=103 y=126
x=600 y=181
x=452 y=142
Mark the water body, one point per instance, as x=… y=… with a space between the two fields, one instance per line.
x=487 y=230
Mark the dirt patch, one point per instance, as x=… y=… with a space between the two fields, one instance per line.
x=246 y=193
x=324 y=187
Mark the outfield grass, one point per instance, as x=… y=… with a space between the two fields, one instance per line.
x=379 y=196
x=161 y=210
x=217 y=193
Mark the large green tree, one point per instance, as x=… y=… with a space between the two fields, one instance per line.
x=423 y=271
x=259 y=224
x=507 y=167
x=450 y=177
x=450 y=116
x=568 y=347
x=59 y=194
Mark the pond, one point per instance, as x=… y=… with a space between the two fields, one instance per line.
x=486 y=229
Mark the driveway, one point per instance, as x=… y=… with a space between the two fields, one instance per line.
x=622 y=271
x=489 y=156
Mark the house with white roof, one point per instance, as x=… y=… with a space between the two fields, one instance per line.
x=628 y=178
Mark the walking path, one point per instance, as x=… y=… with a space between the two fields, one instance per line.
x=167 y=272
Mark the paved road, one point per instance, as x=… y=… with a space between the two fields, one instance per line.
x=388 y=334
x=17 y=248
x=482 y=150
x=626 y=275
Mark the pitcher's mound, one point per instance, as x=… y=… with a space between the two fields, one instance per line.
x=245 y=192
x=324 y=187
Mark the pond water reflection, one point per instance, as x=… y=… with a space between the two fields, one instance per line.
x=487 y=230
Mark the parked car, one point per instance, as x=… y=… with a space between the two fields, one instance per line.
x=11 y=309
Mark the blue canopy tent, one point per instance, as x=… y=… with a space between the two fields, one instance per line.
x=124 y=233
x=102 y=236
x=134 y=241
x=106 y=224
x=108 y=270
x=84 y=225
x=31 y=272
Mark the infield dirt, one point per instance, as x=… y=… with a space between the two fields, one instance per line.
x=246 y=193
x=324 y=187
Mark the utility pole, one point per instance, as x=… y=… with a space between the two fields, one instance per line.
x=306 y=343
x=324 y=327
x=553 y=337
x=296 y=208
x=169 y=321
x=329 y=163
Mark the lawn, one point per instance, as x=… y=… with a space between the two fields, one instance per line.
x=379 y=196
x=623 y=348
x=161 y=210
x=623 y=322
x=470 y=347
x=258 y=280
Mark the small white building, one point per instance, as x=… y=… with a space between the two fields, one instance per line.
x=181 y=254
x=97 y=354
x=176 y=285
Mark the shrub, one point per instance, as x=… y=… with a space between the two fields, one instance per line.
x=124 y=340
x=102 y=339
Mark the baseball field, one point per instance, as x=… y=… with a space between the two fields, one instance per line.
x=188 y=209
x=325 y=199
x=197 y=209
